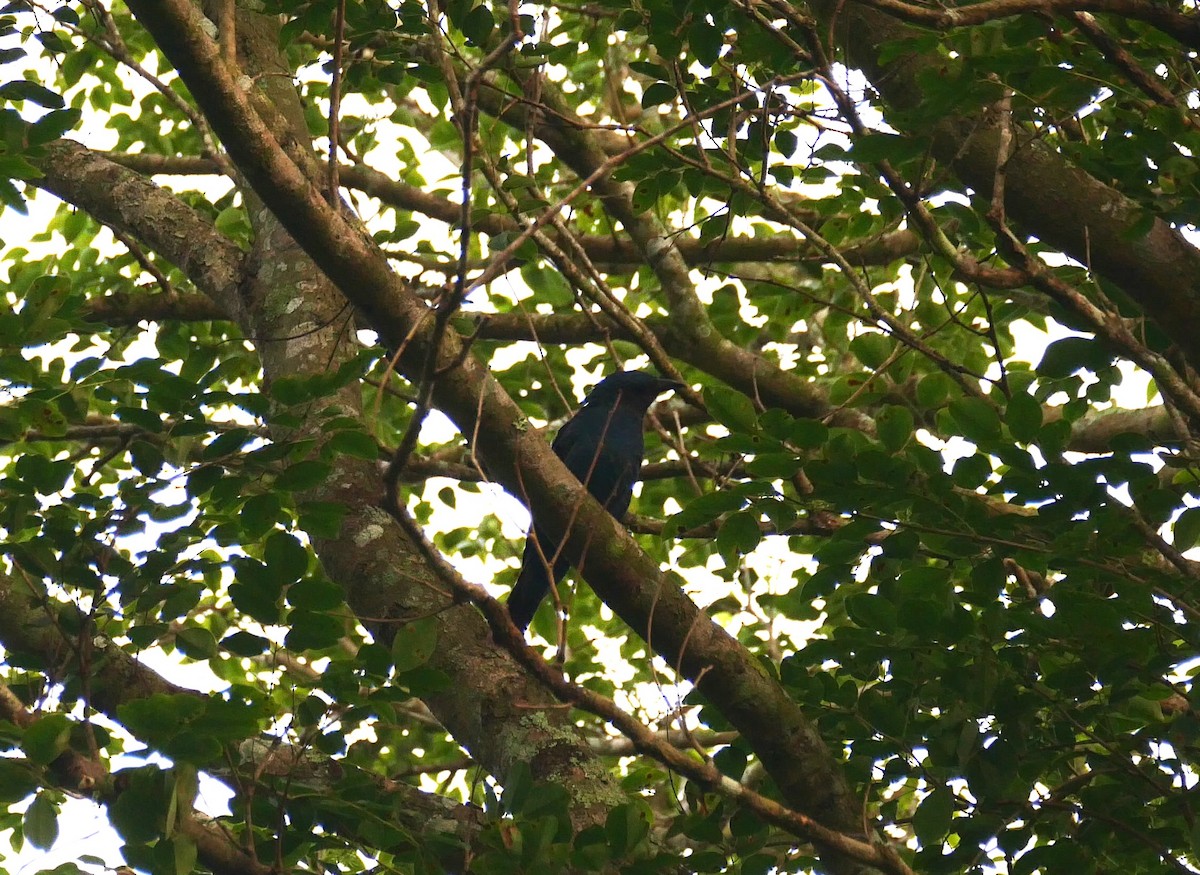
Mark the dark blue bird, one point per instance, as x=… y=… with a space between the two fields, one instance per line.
x=602 y=445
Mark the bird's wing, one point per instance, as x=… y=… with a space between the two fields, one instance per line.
x=608 y=469
x=567 y=435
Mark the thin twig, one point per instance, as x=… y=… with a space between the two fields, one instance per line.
x=335 y=102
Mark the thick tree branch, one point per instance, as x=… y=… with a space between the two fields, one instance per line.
x=123 y=308
x=1183 y=26
x=135 y=206
x=1044 y=193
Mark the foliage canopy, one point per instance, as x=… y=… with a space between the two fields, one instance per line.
x=901 y=598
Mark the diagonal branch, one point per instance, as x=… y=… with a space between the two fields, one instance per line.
x=1097 y=225
x=1183 y=26
x=135 y=206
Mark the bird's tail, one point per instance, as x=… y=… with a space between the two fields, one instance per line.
x=532 y=585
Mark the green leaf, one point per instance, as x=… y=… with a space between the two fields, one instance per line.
x=255 y=590
x=703 y=510
x=285 y=557
x=311 y=630
x=518 y=787
x=414 y=643
x=931 y=820
x=1023 y=416
x=872 y=348
x=45 y=476
x=40 y=822
x=315 y=595
x=34 y=92
x=658 y=93
x=645 y=195
x=786 y=143
x=303 y=475
x=934 y=389
x=478 y=24
x=739 y=533
x=159 y=717
x=1070 y=354
x=138 y=811
x=357 y=444
x=774 y=465
x=976 y=418
x=226 y=443
x=872 y=612
x=731 y=408
x=53 y=125
x=260 y=513
x=808 y=434
x=705 y=41
x=731 y=760
x=880 y=147
x=196 y=642
x=16 y=167
x=231 y=720
x=971 y=472
x=46 y=738
x=629 y=19
x=550 y=284
x=1186 y=529
x=16 y=780
x=424 y=681
x=321 y=519
x=1062 y=856
x=654 y=71
x=626 y=827
x=11 y=197
x=290 y=391
x=895 y=427
x=243 y=643
x=311 y=711
x=758 y=864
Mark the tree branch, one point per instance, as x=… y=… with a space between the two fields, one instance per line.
x=1184 y=27
x=133 y=205
x=1097 y=225
x=617 y=252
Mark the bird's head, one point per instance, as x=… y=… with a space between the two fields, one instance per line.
x=634 y=388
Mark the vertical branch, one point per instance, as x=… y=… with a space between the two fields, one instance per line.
x=225 y=14
x=1004 y=151
x=335 y=101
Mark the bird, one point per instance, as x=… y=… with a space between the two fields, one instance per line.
x=602 y=445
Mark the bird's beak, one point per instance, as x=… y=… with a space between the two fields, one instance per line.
x=668 y=386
